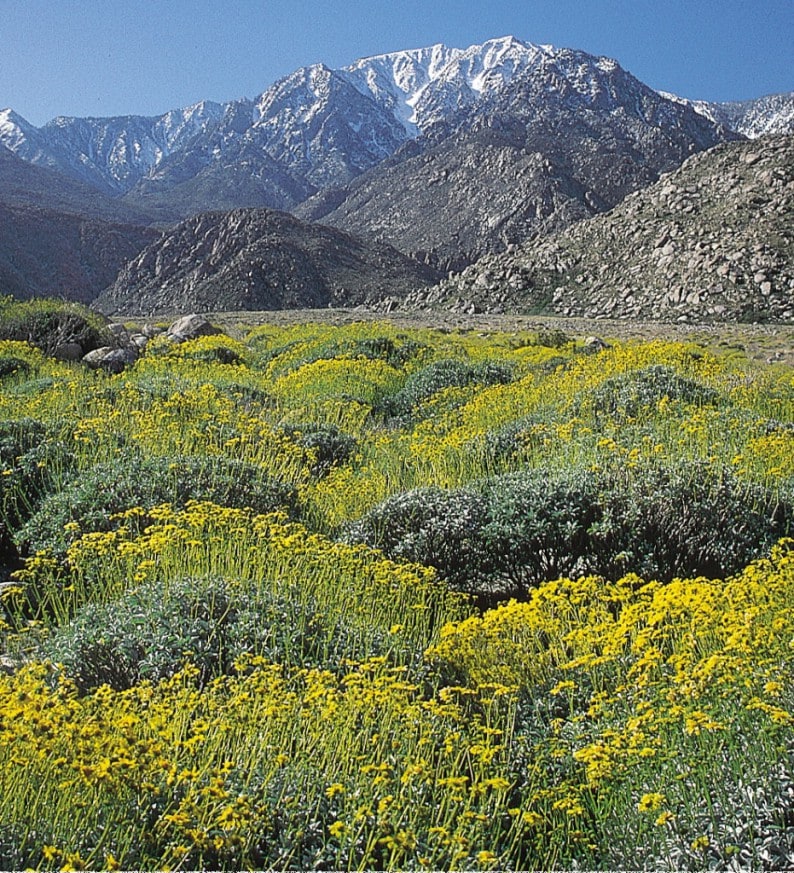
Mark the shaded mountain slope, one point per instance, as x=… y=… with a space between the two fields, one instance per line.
x=51 y=254
x=258 y=259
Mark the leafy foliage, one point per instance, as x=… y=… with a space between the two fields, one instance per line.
x=94 y=496
x=153 y=631
x=446 y=373
x=281 y=699
x=326 y=444
x=31 y=463
x=517 y=530
x=629 y=395
x=436 y=528
x=48 y=324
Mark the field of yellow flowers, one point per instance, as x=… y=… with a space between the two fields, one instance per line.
x=364 y=597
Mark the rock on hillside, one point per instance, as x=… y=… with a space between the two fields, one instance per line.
x=54 y=254
x=258 y=259
x=713 y=240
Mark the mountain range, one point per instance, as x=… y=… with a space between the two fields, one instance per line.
x=445 y=154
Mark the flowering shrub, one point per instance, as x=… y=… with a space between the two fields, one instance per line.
x=629 y=395
x=246 y=691
x=327 y=446
x=31 y=463
x=446 y=373
x=93 y=497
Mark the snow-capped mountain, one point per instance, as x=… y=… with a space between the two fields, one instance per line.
x=514 y=140
x=426 y=86
x=321 y=126
x=444 y=153
x=110 y=153
x=751 y=118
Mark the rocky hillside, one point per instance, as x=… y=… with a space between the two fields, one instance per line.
x=712 y=240
x=25 y=184
x=52 y=254
x=257 y=259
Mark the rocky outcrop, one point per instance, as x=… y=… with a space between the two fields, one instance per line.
x=109 y=359
x=190 y=327
x=713 y=240
x=257 y=259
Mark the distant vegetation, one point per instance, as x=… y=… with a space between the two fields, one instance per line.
x=370 y=598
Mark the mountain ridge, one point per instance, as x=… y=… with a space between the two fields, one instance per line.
x=405 y=94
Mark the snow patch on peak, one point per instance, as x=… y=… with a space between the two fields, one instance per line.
x=418 y=85
x=771 y=114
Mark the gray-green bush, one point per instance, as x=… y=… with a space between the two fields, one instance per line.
x=93 y=496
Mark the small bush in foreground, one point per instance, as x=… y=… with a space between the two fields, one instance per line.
x=329 y=446
x=152 y=632
x=93 y=496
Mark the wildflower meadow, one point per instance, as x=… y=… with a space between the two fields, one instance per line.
x=371 y=597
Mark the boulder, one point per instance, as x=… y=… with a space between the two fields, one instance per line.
x=110 y=359
x=594 y=344
x=68 y=352
x=190 y=327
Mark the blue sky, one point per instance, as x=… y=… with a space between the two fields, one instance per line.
x=116 y=57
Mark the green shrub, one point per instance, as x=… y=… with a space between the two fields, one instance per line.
x=384 y=348
x=93 y=496
x=48 y=324
x=446 y=373
x=514 y=438
x=441 y=529
x=19 y=436
x=630 y=394
x=537 y=525
x=688 y=519
x=10 y=365
x=396 y=352
x=151 y=632
x=29 y=387
x=514 y=531
x=31 y=464
x=553 y=338
x=330 y=446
